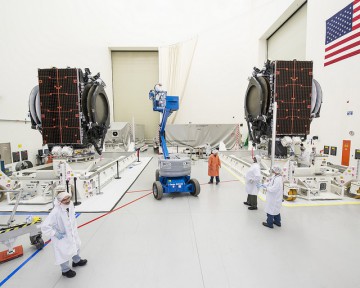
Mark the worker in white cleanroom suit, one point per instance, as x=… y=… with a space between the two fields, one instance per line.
x=274 y=198
x=304 y=158
x=312 y=155
x=207 y=149
x=158 y=87
x=253 y=178
x=159 y=96
x=61 y=226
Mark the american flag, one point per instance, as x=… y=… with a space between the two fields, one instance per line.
x=343 y=34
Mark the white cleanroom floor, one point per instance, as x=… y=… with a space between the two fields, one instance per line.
x=210 y=241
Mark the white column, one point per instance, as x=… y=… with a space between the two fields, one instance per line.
x=273 y=135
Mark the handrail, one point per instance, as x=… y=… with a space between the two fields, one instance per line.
x=98 y=171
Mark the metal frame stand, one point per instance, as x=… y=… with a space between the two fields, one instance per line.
x=76 y=203
x=99 y=190
x=138 y=154
x=18 y=196
x=273 y=136
x=67 y=186
x=117 y=170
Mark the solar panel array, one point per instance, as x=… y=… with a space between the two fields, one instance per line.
x=293 y=87
x=60 y=107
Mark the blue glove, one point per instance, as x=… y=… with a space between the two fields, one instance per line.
x=59 y=235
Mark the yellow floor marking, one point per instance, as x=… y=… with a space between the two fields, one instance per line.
x=236 y=176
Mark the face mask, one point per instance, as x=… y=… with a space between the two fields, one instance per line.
x=65 y=205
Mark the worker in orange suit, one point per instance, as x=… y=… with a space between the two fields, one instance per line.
x=214 y=165
x=49 y=159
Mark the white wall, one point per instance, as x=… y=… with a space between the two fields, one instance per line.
x=339 y=83
x=21 y=137
x=224 y=59
x=40 y=34
x=225 y=55
x=289 y=41
x=77 y=33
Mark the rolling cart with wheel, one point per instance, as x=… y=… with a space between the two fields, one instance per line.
x=10 y=232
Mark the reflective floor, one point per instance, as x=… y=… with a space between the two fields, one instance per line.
x=208 y=241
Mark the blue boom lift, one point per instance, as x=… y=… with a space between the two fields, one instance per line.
x=174 y=171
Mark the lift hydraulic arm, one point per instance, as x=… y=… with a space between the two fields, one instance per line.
x=166 y=105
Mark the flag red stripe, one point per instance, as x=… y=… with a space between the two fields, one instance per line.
x=356 y=1
x=356 y=18
x=356 y=27
x=343 y=41
x=342 y=57
x=343 y=49
x=357 y=9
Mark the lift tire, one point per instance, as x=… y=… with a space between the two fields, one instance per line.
x=157 y=190
x=39 y=243
x=196 y=186
x=157 y=175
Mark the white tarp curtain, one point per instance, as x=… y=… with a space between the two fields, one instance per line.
x=121 y=133
x=197 y=135
x=139 y=133
x=174 y=67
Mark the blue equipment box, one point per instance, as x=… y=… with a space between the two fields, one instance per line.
x=172 y=103
x=2 y=166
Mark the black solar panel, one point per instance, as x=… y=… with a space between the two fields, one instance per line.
x=293 y=84
x=24 y=155
x=16 y=156
x=60 y=107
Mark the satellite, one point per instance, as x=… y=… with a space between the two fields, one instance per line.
x=70 y=108
x=297 y=93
